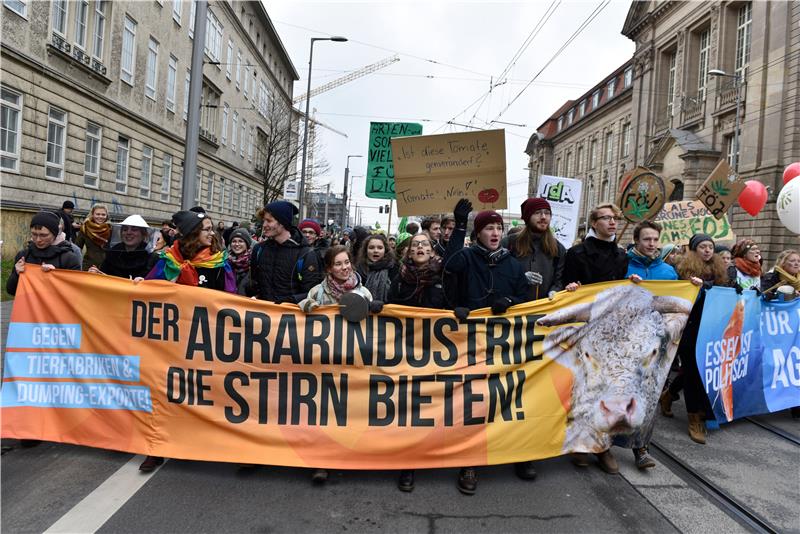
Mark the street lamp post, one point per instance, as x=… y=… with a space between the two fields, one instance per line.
x=350 y=190
x=305 y=128
x=737 y=80
x=344 y=194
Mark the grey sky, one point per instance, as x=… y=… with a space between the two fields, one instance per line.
x=479 y=38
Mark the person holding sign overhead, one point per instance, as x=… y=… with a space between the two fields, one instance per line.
x=487 y=275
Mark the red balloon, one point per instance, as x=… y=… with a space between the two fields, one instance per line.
x=792 y=171
x=753 y=197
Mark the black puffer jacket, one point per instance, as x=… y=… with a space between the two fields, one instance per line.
x=128 y=264
x=551 y=269
x=595 y=261
x=284 y=272
x=61 y=256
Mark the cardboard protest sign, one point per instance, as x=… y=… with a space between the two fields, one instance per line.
x=380 y=169
x=720 y=190
x=564 y=196
x=681 y=220
x=642 y=194
x=432 y=172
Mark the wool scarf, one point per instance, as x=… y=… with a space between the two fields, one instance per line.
x=750 y=268
x=173 y=267
x=241 y=262
x=420 y=276
x=337 y=288
x=98 y=233
x=787 y=278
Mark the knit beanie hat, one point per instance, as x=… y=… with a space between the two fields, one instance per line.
x=696 y=239
x=741 y=247
x=47 y=219
x=532 y=204
x=311 y=223
x=68 y=205
x=186 y=221
x=486 y=217
x=283 y=212
x=242 y=234
x=198 y=209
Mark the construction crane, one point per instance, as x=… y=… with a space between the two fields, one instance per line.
x=354 y=75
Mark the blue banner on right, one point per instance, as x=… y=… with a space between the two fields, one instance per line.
x=748 y=353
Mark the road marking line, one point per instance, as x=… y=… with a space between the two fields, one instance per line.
x=96 y=508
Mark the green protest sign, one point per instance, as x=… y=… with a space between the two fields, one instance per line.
x=380 y=169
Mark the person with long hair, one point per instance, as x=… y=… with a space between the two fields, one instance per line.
x=94 y=234
x=377 y=266
x=746 y=267
x=196 y=259
x=239 y=248
x=785 y=273
x=701 y=266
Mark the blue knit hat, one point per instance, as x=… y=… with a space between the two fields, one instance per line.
x=283 y=212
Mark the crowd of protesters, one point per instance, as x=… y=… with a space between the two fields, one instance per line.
x=435 y=264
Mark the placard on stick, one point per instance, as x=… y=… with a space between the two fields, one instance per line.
x=380 y=169
x=681 y=220
x=720 y=190
x=432 y=172
x=642 y=194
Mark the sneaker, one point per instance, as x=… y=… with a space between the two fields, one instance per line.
x=581 y=459
x=525 y=470
x=405 y=481
x=467 y=480
x=607 y=462
x=643 y=460
x=150 y=463
x=319 y=476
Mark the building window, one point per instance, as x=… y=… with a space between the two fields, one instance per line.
x=81 y=19
x=628 y=77
x=611 y=86
x=128 y=50
x=731 y=150
x=99 y=28
x=186 y=94
x=560 y=123
x=234 y=124
x=10 y=129
x=213 y=36
x=593 y=154
x=210 y=190
x=242 y=138
x=210 y=109
x=147 y=172
x=570 y=116
x=56 y=139
x=579 y=160
x=609 y=146
x=626 y=139
x=60 y=17
x=568 y=163
x=20 y=7
x=582 y=108
x=702 y=63
x=151 y=73
x=192 y=17
x=263 y=99
x=229 y=187
x=671 y=84
x=166 y=178
x=225 y=111
x=198 y=185
x=677 y=191
x=121 y=179
x=744 y=22
x=596 y=99
x=229 y=63
x=172 y=82
x=558 y=166
x=238 y=69
x=91 y=159
x=250 y=145
x=246 y=80
x=176 y=11
x=253 y=94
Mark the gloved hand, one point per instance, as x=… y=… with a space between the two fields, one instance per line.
x=461 y=212
x=461 y=313
x=308 y=305
x=739 y=289
x=500 y=305
x=376 y=306
x=534 y=278
x=551 y=295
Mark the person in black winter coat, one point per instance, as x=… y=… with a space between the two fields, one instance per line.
x=377 y=267
x=598 y=258
x=42 y=251
x=129 y=258
x=537 y=249
x=283 y=268
x=487 y=275
x=419 y=279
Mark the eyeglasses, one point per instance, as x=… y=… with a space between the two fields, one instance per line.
x=420 y=244
x=609 y=218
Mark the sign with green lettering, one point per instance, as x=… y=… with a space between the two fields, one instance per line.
x=380 y=169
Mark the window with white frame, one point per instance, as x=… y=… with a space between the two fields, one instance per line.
x=702 y=63
x=593 y=154
x=609 y=146
x=56 y=143
x=81 y=22
x=172 y=82
x=198 y=190
x=570 y=116
x=176 y=10
x=238 y=69
x=611 y=88
x=225 y=111
x=10 y=129
x=230 y=185
x=20 y=7
x=59 y=17
x=91 y=158
x=582 y=108
x=123 y=153
x=166 y=177
x=128 y=60
x=99 y=28
x=246 y=88
x=242 y=138
x=671 y=83
x=626 y=139
x=730 y=141
x=263 y=99
x=147 y=172
x=596 y=99
x=628 y=77
x=229 y=63
x=253 y=94
x=151 y=73
x=579 y=160
x=213 y=37
x=234 y=126
x=744 y=22
x=210 y=190
x=250 y=145
x=186 y=94
x=192 y=17
x=560 y=123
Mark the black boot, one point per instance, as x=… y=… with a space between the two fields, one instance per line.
x=405 y=481
x=525 y=470
x=319 y=476
x=467 y=480
x=150 y=463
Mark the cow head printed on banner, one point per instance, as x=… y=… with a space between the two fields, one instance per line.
x=618 y=371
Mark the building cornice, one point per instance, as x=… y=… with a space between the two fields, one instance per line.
x=636 y=27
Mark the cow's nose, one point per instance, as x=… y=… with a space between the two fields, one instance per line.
x=618 y=409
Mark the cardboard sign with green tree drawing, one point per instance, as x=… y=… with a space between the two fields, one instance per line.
x=720 y=190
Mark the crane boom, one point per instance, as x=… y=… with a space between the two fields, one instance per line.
x=354 y=75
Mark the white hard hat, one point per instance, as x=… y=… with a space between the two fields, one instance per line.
x=135 y=220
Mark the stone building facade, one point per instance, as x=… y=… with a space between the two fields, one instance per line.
x=95 y=98
x=683 y=119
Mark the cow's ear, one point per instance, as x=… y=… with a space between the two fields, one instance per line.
x=561 y=339
x=674 y=324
